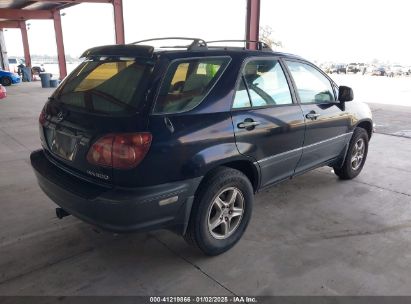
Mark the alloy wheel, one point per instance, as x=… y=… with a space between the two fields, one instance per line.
x=357 y=155
x=225 y=213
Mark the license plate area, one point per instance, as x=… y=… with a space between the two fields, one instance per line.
x=62 y=143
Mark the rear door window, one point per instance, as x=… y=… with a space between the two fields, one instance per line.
x=106 y=86
x=187 y=82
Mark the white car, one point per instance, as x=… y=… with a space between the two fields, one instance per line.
x=395 y=70
x=14 y=63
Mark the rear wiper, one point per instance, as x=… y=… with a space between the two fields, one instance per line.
x=110 y=98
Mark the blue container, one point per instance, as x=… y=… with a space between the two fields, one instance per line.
x=26 y=73
x=45 y=80
x=54 y=83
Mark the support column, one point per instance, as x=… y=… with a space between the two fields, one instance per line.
x=25 y=39
x=60 y=44
x=252 y=22
x=119 y=21
x=4 y=59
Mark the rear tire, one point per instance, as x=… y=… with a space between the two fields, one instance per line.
x=221 y=211
x=6 y=81
x=356 y=155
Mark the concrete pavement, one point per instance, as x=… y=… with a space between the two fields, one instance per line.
x=313 y=235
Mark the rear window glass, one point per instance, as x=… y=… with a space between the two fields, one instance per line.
x=106 y=86
x=187 y=82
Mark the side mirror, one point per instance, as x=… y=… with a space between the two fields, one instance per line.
x=345 y=94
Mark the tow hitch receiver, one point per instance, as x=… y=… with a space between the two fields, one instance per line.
x=60 y=213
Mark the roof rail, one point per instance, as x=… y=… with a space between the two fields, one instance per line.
x=261 y=45
x=196 y=44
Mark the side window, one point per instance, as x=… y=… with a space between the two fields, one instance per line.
x=312 y=86
x=263 y=83
x=187 y=82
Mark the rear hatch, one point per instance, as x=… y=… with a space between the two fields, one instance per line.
x=103 y=95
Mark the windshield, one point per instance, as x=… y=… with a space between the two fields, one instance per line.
x=106 y=86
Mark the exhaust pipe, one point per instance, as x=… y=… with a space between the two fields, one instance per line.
x=60 y=213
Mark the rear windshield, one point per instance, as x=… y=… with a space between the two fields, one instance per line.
x=106 y=86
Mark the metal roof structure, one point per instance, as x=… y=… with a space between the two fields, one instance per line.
x=14 y=13
x=34 y=5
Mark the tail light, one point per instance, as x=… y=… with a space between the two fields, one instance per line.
x=42 y=117
x=119 y=151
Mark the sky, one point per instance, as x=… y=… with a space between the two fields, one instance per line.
x=319 y=30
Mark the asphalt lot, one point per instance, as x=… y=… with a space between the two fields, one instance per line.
x=313 y=235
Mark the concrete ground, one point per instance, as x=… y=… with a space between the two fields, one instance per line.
x=313 y=235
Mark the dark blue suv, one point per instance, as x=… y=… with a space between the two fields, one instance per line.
x=139 y=138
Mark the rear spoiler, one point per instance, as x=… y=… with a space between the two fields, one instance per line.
x=120 y=50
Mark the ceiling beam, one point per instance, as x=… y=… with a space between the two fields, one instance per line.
x=21 y=14
x=9 y=24
x=74 y=1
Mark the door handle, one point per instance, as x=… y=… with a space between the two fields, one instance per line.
x=312 y=115
x=248 y=124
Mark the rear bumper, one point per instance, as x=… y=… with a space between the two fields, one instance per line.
x=117 y=209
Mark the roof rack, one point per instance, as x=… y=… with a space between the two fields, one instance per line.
x=196 y=44
x=261 y=45
x=201 y=44
x=125 y=50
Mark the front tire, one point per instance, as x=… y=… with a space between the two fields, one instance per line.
x=6 y=81
x=221 y=211
x=356 y=155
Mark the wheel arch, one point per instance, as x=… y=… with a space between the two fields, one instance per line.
x=366 y=125
x=250 y=169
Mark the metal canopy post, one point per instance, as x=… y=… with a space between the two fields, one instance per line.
x=119 y=21
x=252 y=23
x=4 y=60
x=60 y=44
x=25 y=40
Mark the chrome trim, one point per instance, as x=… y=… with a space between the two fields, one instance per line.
x=280 y=155
x=327 y=140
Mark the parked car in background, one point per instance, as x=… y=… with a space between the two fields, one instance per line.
x=338 y=69
x=353 y=68
x=325 y=67
x=15 y=63
x=3 y=92
x=369 y=68
x=379 y=71
x=395 y=70
x=8 y=78
x=37 y=68
x=138 y=138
